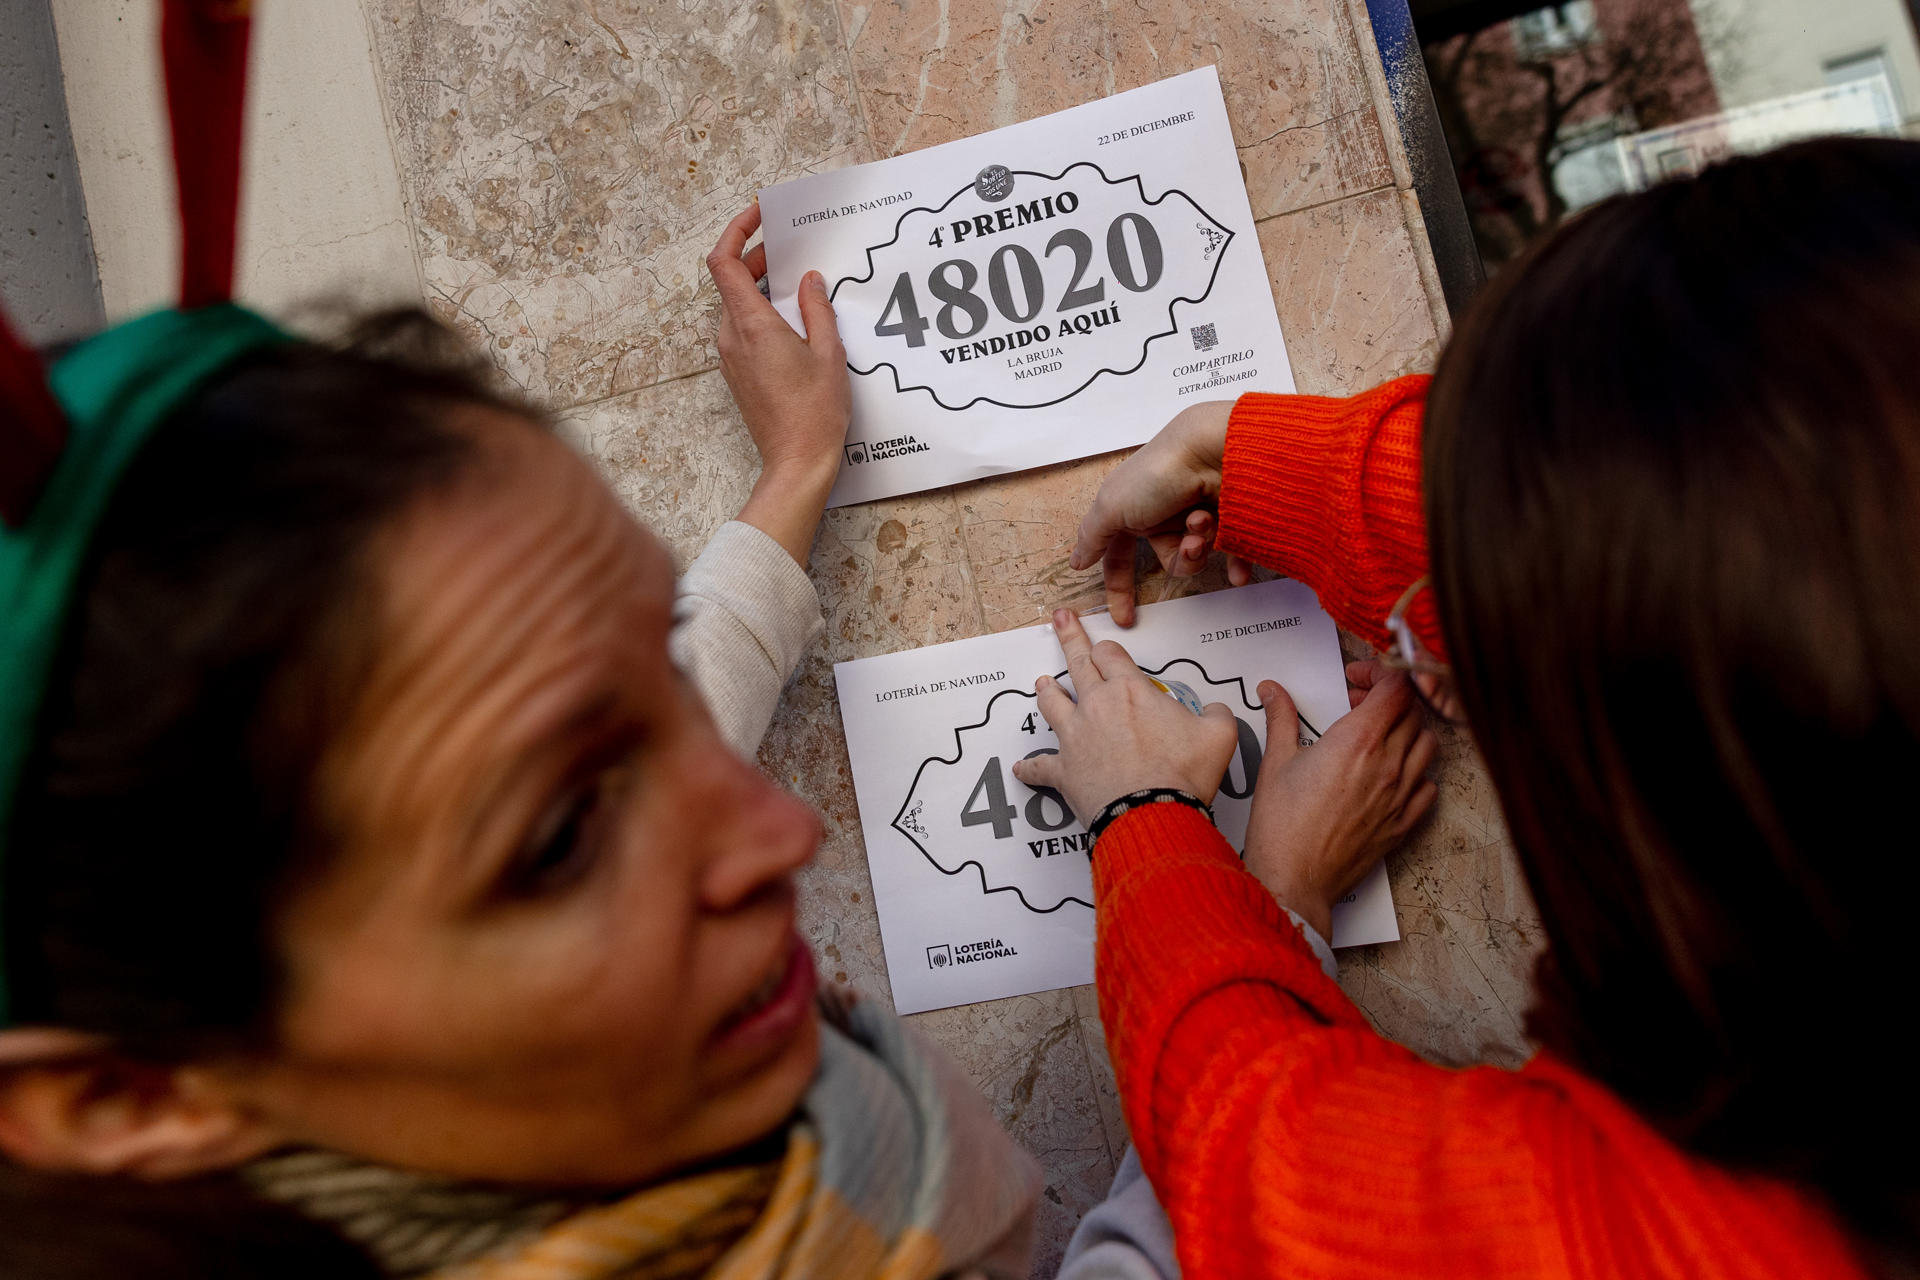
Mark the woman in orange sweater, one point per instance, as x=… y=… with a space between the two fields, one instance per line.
x=1670 y=465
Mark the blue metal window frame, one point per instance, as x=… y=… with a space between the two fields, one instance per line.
x=1455 y=254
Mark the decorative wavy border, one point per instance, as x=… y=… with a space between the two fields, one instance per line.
x=959 y=750
x=1145 y=347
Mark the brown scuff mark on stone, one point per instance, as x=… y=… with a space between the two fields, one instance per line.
x=1021 y=1096
x=600 y=22
x=891 y=537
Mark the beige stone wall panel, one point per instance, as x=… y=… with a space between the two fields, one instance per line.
x=1106 y=1087
x=676 y=453
x=570 y=164
x=1457 y=986
x=1019 y=531
x=1350 y=295
x=932 y=71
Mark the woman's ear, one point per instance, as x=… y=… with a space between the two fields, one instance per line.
x=70 y=1104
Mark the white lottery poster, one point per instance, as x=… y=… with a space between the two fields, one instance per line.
x=1058 y=288
x=984 y=885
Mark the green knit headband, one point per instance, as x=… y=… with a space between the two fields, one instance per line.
x=114 y=389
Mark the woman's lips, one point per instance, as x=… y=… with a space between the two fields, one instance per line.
x=778 y=1006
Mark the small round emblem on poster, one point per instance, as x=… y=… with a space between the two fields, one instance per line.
x=993 y=183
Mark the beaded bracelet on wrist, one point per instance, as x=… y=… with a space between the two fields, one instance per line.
x=1152 y=795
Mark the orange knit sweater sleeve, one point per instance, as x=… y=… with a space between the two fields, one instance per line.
x=1286 y=1137
x=1328 y=491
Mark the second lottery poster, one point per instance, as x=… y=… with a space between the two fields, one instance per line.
x=1051 y=290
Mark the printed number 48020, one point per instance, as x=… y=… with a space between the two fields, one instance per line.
x=1046 y=809
x=964 y=313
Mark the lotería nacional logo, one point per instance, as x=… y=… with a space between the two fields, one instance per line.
x=880 y=450
x=947 y=954
x=856 y=453
x=985 y=949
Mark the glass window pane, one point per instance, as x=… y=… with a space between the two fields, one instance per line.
x=1548 y=110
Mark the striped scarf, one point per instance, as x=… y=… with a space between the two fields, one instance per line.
x=893 y=1167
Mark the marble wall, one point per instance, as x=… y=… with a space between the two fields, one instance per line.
x=566 y=166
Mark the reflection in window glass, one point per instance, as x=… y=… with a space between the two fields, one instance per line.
x=1550 y=110
x=1854 y=106
x=1867 y=66
x=1547 y=33
x=1861 y=66
x=1590 y=165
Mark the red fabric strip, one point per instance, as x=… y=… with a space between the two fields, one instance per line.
x=204 y=44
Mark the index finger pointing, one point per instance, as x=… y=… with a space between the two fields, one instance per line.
x=1077 y=646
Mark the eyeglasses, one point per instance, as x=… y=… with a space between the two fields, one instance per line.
x=1408 y=654
x=1432 y=678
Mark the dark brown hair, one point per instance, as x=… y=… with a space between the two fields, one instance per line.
x=1673 y=492
x=220 y=629
x=76 y=1227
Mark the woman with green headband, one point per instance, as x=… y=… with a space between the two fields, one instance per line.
x=385 y=884
x=381 y=827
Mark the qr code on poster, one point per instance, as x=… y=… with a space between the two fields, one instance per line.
x=1204 y=338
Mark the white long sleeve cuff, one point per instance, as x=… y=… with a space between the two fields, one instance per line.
x=745 y=615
